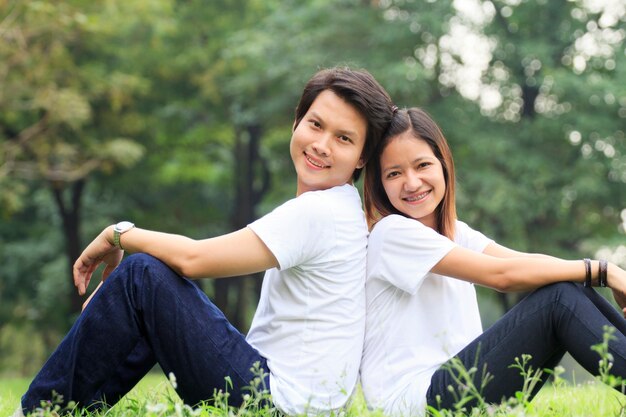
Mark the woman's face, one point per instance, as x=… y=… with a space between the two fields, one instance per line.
x=412 y=177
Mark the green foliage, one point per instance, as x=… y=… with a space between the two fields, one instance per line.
x=606 y=360
x=464 y=388
x=552 y=153
x=532 y=377
x=59 y=97
x=22 y=349
x=30 y=312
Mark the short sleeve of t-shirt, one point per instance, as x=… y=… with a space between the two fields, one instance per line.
x=295 y=231
x=403 y=251
x=470 y=238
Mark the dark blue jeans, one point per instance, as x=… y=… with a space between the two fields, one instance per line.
x=142 y=315
x=555 y=319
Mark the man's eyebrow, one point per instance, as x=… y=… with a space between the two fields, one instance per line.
x=346 y=132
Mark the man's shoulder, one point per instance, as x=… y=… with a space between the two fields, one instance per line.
x=327 y=201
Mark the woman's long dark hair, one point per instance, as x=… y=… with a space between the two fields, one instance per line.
x=421 y=126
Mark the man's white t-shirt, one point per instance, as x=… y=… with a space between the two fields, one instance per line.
x=310 y=320
x=416 y=320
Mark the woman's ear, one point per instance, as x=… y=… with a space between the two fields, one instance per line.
x=361 y=163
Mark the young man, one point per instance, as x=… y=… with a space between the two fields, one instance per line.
x=307 y=332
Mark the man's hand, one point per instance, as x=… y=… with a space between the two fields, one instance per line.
x=100 y=250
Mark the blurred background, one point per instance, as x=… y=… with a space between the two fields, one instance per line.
x=177 y=115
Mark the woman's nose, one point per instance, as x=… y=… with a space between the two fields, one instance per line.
x=412 y=181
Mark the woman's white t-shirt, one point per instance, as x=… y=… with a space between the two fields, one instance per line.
x=310 y=320
x=416 y=320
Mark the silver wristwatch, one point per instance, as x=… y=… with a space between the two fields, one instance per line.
x=118 y=230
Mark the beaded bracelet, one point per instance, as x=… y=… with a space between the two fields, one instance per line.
x=602 y=272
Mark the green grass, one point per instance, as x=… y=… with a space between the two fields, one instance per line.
x=592 y=399
x=566 y=400
x=11 y=389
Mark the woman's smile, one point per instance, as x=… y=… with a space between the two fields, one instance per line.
x=417 y=198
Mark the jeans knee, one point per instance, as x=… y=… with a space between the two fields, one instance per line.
x=139 y=265
x=566 y=294
x=141 y=259
x=564 y=288
x=144 y=261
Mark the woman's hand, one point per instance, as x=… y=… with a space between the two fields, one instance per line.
x=100 y=250
x=616 y=280
x=620 y=299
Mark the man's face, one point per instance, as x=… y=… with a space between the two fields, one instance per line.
x=327 y=144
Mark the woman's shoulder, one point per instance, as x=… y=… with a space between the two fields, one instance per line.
x=461 y=227
x=392 y=220
x=397 y=221
x=470 y=238
x=397 y=228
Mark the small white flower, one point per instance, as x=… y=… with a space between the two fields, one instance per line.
x=172 y=379
x=155 y=408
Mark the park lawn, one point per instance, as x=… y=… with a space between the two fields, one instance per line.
x=566 y=400
x=11 y=389
x=590 y=399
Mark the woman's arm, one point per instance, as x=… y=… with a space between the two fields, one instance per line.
x=238 y=253
x=499 y=251
x=518 y=273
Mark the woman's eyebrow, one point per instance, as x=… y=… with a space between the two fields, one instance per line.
x=416 y=160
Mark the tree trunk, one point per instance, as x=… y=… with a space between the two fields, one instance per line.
x=69 y=210
x=234 y=296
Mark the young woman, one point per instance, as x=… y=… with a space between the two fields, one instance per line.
x=307 y=333
x=421 y=305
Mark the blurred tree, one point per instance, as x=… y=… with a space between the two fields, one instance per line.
x=63 y=114
x=554 y=65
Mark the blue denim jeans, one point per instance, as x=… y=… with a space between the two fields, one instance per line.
x=145 y=314
x=555 y=319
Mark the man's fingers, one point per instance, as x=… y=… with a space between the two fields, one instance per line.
x=81 y=277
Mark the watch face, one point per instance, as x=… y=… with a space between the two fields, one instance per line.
x=123 y=226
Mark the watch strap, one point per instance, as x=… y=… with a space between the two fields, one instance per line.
x=119 y=229
x=116 y=239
